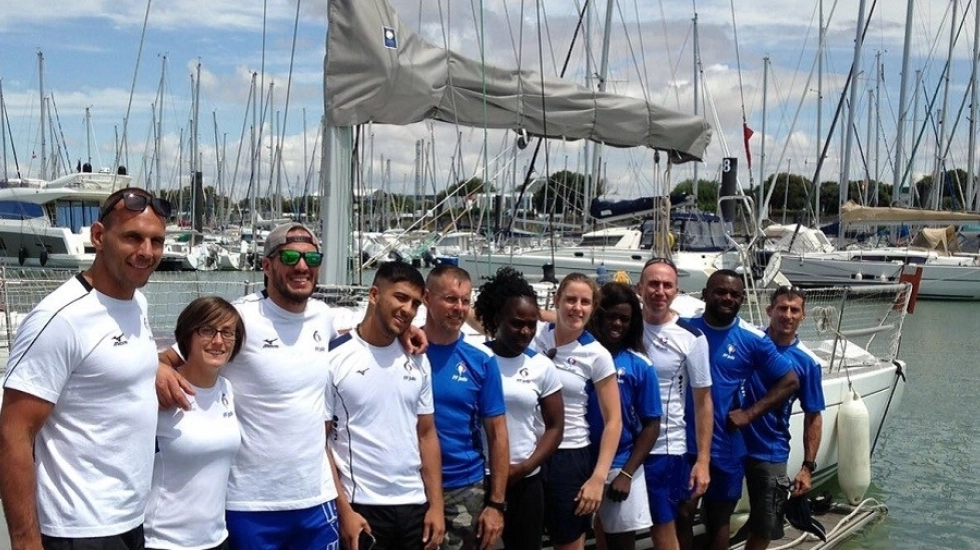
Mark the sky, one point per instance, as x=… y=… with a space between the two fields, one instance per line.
x=111 y=57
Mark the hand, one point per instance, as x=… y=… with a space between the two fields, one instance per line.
x=619 y=489
x=435 y=528
x=737 y=419
x=589 y=496
x=700 y=478
x=351 y=525
x=803 y=482
x=414 y=340
x=489 y=527
x=172 y=388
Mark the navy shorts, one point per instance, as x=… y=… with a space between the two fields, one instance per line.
x=668 y=477
x=726 y=480
x=564 y=474
x=313 y=528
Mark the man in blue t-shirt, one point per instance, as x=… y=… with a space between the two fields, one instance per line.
x=767 y=437
x=737 y=350
x=469 y=402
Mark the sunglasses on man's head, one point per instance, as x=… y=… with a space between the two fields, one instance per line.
x=292 y=257
x=137 y=202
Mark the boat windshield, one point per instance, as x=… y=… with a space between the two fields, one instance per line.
x=17 y=210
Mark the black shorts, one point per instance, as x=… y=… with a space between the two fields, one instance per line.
x=395 y=526
x=130 y=540
x=564 y=474
x=768 y=487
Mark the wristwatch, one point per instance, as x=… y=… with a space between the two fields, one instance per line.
x=810 y=465
x=498 y=506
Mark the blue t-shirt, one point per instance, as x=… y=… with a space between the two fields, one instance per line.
x=639 y=392
x=767 y=438
x=735 y=353
x=466 y=388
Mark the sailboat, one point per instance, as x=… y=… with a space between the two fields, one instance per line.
x=378 y=70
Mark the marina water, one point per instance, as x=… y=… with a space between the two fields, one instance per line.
x=924 y=467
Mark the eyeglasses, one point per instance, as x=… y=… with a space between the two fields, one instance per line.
x=137 y=202
x=292 y=257
x=208 y=333
x=654 y=261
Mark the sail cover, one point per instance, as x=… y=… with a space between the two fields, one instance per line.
x=379 y=70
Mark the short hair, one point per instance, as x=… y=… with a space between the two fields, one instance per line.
x=446 y=270
x=202 y=312
x=398 y=272
x=787 y=290
x=613 y=294
x=109 y=204
x=577 y=277
x=496 y=291
x=713 y=278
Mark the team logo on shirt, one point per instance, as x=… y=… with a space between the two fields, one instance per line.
x=270 y=343
x=363 y=371
x=316 y=336
x=224 y=401
x=119 y=340
x=730 y=352
x=410 y=371
x=659 y=342
x=621 y=375
x=524 y=376
x=460 y=375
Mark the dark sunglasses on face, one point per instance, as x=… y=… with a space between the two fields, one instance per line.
x=137 y=202
x=292 y=257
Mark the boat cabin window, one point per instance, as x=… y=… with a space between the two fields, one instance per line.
x=17 y=210
x=600 y=240
x=691 y=233
x=75 y=214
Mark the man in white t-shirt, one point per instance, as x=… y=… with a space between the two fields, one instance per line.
x=679 y=353
x=382 y=429
x=79 y=414
x=281 y=490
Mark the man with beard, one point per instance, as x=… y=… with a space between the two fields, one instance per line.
x=281 y=491
x=382 y=432
x=737 y=350
x=468 y=395
x=79 y=417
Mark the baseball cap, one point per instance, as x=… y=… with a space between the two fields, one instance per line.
x=277 y=238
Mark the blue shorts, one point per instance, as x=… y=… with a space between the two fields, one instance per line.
x=668 y=477
x=726 y=480
x=564 y=474
x=309 y=528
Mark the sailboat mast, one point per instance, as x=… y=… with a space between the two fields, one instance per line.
x=762 y=154
x=898 y=178
x=935 y=194
x=816 y=180
x=159 y=125
x=971 y=187
x=44 y=112
x=696 y=81
x=592 y=182
x=848 y=133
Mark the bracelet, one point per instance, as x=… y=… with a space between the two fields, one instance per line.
x=625 y=473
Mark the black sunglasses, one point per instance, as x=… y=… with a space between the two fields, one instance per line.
x=292 y=257
x=137 y=202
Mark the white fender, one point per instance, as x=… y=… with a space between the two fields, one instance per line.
x=854 y=448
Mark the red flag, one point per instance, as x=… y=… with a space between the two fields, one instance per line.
x=747 y=134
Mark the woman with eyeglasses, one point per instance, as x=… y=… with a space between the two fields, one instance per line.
x=507 y=307
x=574 y=477
x=618 y=325
x=195 y=448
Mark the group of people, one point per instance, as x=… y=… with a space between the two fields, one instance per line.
x=278 y=422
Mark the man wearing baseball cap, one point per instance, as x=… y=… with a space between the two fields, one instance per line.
x=281 y=491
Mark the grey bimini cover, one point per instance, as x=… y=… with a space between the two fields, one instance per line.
x=379 y=70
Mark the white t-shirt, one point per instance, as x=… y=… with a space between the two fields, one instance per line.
x=195 y=449
x=374 y=398
x=579 y=363
x=679 y=353
x=279 y=377
x=526 y=380
x=94 y=358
